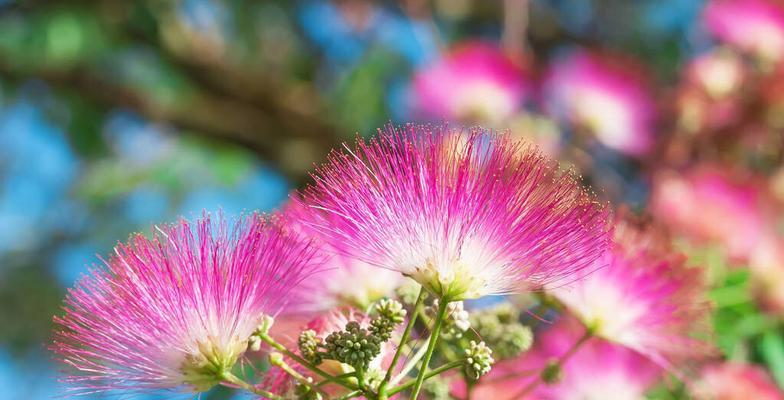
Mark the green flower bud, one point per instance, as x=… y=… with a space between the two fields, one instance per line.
x=437 y=388
x=390 y=314
x=308 y=344
x=456 y=321
x=513 y=340
x=479 y=359
x=552 y=372
x=354 y=346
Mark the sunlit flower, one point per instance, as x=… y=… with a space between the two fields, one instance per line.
x=345 y=281
x=608 y=97
x=708 y=204
x=597 y=370
x=177 y=310
x=645 y=298
x=465 y=215
x=474 y=83
x=735 y=381
x=755 y=26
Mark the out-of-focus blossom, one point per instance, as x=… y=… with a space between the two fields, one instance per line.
x=708 y=98
x=607 y=96
x=345 y=281
x=735 y=381
x=755 y=26
x=466 y=214
x=538 y=129
x=177 y=310
x=708 y=204
x=644 y=297
x=475 y=83
x=719 y=73
x=597 y=370
x=767 y=272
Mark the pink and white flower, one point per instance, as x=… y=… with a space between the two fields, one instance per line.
x=597 y=370
x=465 y=215
x=755 y=26
x=476 y=82
x=608 y=97
x=645 y=298
x=175 y=311
x=735 y=381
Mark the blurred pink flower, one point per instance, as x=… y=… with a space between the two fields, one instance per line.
x=597 y=370
x=755 y=26
x=767 y=273
x=475 y=82
x=735 y=381
x=719 y=73
x=464 y=213
x=644 y=297
x=605 y=95
x=177 y=310
x=708 y=204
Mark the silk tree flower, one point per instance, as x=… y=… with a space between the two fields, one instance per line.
x=646 y=299
x=608 y=97
x=464 y=213
x=754 y=26
x=735 y=381
x=176 y=310
x=345 y=281
x=709 y=204
x=475 y=82
x=597 y=370
x=709 y=96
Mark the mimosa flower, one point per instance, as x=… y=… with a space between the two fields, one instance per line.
x=465 y=215
x=735 y=381
x=646 y=299
x=608 y=98
x=597 y=370
x=474 y=83
x=176 y=310
x=755 y=26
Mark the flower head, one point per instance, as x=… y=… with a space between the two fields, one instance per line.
x=646 y=298
x=345 y=281
x=474 y=83
x=755 y=26
x=464 y=215
x=596 y=370
x=176 y=310
x=609 y=99
x=735 y=381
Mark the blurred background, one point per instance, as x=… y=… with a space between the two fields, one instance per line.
x=118 y=115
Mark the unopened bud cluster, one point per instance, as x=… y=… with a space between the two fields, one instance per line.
x=456 y=321
x=479 y=359
x=354 y=346
x=500 y=328
x=390 y=314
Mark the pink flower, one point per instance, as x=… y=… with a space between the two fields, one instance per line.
x=755 y=26
x=346 y=281
x=464 y=215
x=475 y=82
x=606 y=96
x=177 y=310
x=644 y=298
x=597 y=370
x=735 y=381
x=709 y=204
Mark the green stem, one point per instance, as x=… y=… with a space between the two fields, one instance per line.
x=561 y=361
x=231 y=380
x=409 y=365
x=279 y=362
x=350 y=395
x=406 y=334
x=431 y=345
x=437 y=371
x=318 y=371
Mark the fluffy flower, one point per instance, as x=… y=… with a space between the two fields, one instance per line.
x=176 y=310
x=708 y=204
x=646 y=299
x=475 y=82
x=597 y=370
x=606 y=97
x=345 y=281
x=735 y=381
x=755 y=26
x=464 y=215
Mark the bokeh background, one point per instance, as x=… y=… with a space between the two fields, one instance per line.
x=117 y=115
